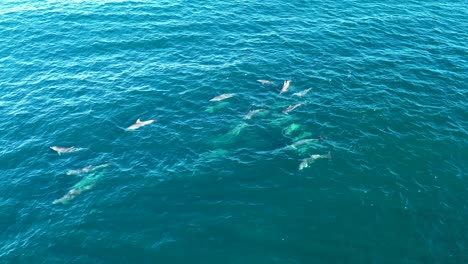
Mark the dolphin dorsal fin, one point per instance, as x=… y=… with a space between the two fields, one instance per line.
x=138 y=120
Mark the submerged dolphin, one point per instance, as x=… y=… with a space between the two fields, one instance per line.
x=140 y=123
x=221 y=97
x=303 y=141
x=304 y=135
x=291 y=107
x=306 y=162
x=85 y=184
x=213 y=154
x=265 y=82
x=217 y=107
x=302 y=93
x=252 y=113
x=87 y=169
x=291 y=128
x=61 y=150
x=237 y=129
x=230 y=135
x=285 y=86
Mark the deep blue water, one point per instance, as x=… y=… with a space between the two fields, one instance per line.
x=388 y=100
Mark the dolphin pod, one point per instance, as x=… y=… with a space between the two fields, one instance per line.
x=92 y=177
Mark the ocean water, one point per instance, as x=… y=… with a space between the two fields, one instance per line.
x=388 y=101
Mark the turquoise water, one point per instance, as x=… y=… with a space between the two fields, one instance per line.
x=204 y=185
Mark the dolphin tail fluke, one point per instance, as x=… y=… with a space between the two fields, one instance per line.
x=329 y=157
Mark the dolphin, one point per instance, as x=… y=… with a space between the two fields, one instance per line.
x=304 y=135
x=61 y=150
x=302 y=142
x=237 y=129
x=302 y=93
x=70 y=195
x=213 y=154
x=291 y=107
x=265 y=82
x=221 y=97
x=85 y=184
x=231 y=134
x=291 y=128
x=140 y=123
x=87 y=169
x=252 y=113
x=217 y=107
x=285 y=86
x=306 y=162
